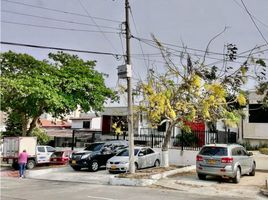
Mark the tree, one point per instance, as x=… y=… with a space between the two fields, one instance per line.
x=30 y=87
x=193 y=92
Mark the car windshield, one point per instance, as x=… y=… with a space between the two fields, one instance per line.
x=94 y=147
x=57 y=154
x=214 y=151
x=125 y=152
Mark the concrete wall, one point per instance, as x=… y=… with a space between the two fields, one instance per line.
x=178 y=157
x=95 y=123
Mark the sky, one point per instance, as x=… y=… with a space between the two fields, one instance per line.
x=96 y=25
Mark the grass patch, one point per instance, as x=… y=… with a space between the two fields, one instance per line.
x=264 y=151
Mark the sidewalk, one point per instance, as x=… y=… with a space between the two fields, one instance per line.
x=248 y=186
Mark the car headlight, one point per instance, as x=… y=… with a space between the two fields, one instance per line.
x=85 y=156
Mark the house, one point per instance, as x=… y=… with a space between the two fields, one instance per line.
x=254 y=127
x=90 y=127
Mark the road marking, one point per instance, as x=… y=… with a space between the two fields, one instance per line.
x=100 y=198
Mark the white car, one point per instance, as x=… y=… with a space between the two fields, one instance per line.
x=144 y=157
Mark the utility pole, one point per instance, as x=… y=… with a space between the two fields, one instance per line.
x=129 y=92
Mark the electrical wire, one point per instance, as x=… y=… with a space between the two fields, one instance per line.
x=246 y=9
x=53 y=27
x=57 y=20
x=260 y=21
x=131 y=13
x=92 y=19
x=59 y=11
x=61 y=49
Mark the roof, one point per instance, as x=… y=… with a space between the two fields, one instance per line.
x=45 y=123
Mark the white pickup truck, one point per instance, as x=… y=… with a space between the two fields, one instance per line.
x=37 y=154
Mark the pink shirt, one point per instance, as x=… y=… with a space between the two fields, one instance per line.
x=23 y=156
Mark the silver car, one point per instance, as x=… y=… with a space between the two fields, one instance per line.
x=225 y=160
x=143 y=157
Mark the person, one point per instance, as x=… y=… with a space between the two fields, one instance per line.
x=23 y=157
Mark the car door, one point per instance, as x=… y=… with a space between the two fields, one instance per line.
x=49 y=151
x=105 y=153
x=248 y=161
x=150 y=157
x=41 y=154
x=142 y=158
x=242 y=159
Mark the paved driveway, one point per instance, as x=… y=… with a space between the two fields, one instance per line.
x=249 y=186
x=68 y=174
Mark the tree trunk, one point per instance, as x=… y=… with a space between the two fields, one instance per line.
x=32 y=125
x=24 y=122
x=165 y=157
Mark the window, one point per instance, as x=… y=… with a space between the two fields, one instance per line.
x=86 y=124
x=142 y=152
x=234 y=152
x=149 y=151
x=50 y=149
x=41 y=149
x=257 y=114
x=214 y=151
x=94 y=147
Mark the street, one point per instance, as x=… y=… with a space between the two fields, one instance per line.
x=30 y=189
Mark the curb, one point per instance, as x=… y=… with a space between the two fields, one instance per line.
x=146 y=182
x=264 y=192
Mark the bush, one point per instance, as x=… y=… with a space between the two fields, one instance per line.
x=264 y=151
x=249 y=147
x=42 y=137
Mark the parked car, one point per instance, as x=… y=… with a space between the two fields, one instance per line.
x=96 y=154
x=60 y=157
x=144 y=157
x=225 y=160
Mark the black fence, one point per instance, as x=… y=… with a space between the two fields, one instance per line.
x=184 y=141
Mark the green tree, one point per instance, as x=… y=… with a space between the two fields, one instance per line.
x=42 y=137
x=193 y=92
x=30 y=87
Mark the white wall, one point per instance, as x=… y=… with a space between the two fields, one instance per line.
x=178 y=157
x=77 y=124
x=96 y=123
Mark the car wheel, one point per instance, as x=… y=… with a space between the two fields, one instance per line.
x=76 y=168
x=157 y=163
x=252 y=173
x=15 y=165
x=201 y=176
x=94 y=166
x=30 y=164
x=237 y=177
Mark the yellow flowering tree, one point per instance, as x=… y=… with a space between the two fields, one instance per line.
x=189 y=93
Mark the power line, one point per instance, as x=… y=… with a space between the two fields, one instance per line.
x=92 y=19
x=146 y=64
x=151 y=43
x=246 y=9
x=58 y=20
x=173 y=45
x=53 y=27
x=260 y=21
x=117 y=56
x=60 y=11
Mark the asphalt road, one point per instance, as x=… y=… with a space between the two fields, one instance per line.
x=30 y=189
